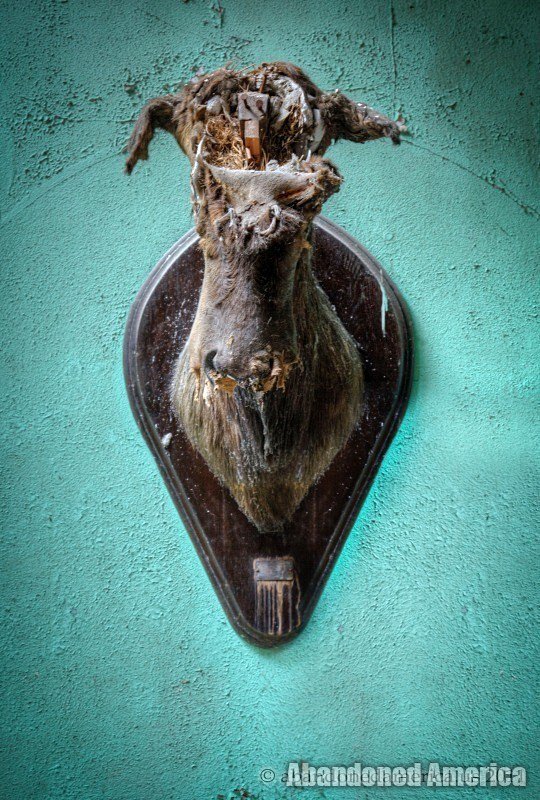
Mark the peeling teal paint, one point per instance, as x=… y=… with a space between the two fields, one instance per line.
x=123 y=678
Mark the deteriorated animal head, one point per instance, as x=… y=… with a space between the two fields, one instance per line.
x=253 y=238
x=256 y=141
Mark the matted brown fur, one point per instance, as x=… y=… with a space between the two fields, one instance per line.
x=269 y=385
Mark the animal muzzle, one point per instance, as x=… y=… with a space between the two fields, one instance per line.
x=264 y=370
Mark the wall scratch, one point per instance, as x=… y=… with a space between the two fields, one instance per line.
x=490 y=182
x=18 y=208
x=393 y=52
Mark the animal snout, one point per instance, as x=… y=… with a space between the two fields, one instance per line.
x=265 y=369
x=240 y=368
x=210 y=362
x=222 y=362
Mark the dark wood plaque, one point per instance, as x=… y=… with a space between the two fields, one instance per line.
x=269 y=583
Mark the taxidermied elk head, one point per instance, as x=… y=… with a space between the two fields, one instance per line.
x=269 y=384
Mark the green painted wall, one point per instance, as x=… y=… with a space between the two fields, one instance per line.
x=123 y=679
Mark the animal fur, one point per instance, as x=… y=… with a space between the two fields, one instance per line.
x=269 y=385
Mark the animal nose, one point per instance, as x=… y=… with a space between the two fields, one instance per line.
x=218 y=361
x=209 y=361
x=225 y=363
x=260 y=365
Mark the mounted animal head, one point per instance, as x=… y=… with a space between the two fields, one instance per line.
x=268 y=387
x=256 y=141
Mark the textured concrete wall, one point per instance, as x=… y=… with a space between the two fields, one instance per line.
x=123 y=678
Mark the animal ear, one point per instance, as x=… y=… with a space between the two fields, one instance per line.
x=345 y=119
x=157 y=113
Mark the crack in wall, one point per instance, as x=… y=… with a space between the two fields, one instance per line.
x=393 y=53
x=530 y=210
x=13 y=212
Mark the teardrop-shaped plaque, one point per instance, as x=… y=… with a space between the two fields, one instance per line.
x=269 y=583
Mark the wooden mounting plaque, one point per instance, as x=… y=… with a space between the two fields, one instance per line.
x=236 y=556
